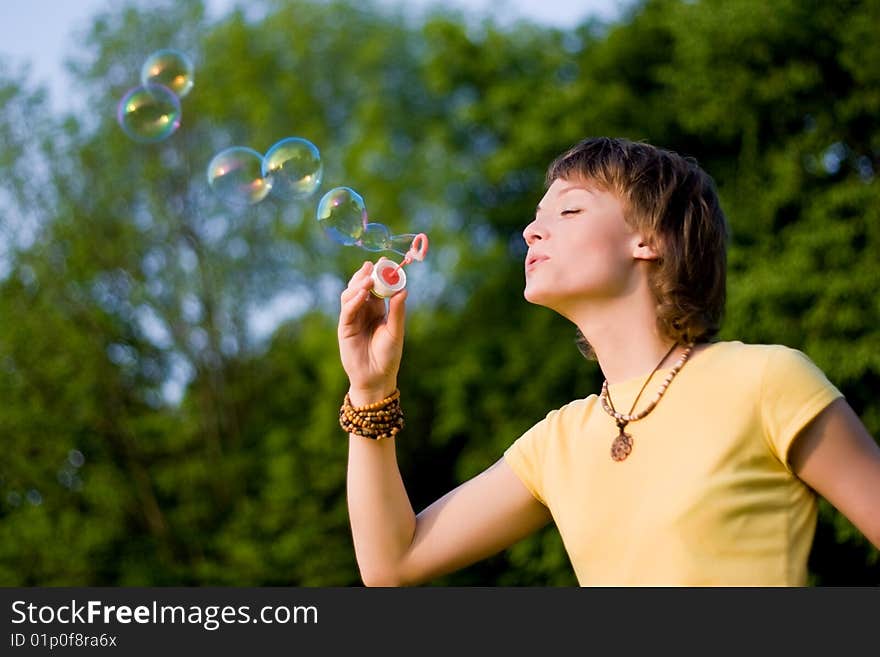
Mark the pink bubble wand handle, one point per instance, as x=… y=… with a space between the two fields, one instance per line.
x=417 y=250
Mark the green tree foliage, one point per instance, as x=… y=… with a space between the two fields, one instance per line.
x=154 y=434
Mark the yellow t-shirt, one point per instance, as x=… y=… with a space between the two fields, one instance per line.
x=706 y=498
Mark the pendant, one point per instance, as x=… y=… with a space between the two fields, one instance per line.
x=622 y=445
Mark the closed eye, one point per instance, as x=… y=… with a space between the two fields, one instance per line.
x=571 y=212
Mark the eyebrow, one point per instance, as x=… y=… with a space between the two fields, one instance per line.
x=563 y=191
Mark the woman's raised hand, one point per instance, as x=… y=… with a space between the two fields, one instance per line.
x=370 y=341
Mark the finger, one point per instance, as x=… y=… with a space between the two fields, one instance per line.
x=358 y=281
x=350 y=292
x=397 y=314
x=362 y=307
x=364 y=272
x=361 y=274
x=348 y=312
x=357 y=288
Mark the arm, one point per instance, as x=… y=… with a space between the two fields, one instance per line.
x=475 y=520
x=837 y=457
x=393 y=546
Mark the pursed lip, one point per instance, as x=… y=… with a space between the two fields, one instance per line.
x=534 y=259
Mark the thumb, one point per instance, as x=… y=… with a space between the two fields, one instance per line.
x=397 y=314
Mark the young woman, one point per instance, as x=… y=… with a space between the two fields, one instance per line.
x=698 y=463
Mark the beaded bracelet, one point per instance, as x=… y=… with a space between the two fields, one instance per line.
x=382 y=419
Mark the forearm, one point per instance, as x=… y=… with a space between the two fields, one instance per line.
x=370 y=347
x=381 y=515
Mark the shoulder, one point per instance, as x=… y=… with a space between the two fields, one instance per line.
x=529 y=453
x=573 y=412
x=559 y=420
x=760 y=359
x=775 y=359
x=790 y=386
x=735 y=349
x=761 y=370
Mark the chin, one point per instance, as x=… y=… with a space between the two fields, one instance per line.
x=534 y=295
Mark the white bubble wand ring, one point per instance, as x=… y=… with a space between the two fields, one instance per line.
x=390 y=278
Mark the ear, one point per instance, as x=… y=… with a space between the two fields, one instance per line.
x=644 y=250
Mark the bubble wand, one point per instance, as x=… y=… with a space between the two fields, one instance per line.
x=343 y=215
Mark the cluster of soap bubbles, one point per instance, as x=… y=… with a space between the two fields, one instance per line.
x=342 y=214
x=290 y=170
x=150 y=112
x=240 y=176
x=68 y=476
x=33 y=496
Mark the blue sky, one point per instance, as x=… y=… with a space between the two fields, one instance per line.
x=41 y=31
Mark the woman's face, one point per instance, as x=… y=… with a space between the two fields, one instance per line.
x=580 y=247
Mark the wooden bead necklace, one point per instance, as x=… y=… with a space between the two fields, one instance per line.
x=623 y=443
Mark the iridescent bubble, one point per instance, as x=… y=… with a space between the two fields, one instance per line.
x=402 y=243
x=170 y=68
x=376 y=237
x=295 y=167
x=149 y=113
x=66 y=476
x=343 y=215
x=235 y=175
x=76 y=458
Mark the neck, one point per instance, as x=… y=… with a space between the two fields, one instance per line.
x=623 y=334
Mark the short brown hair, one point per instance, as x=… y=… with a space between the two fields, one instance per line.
x=674 y=203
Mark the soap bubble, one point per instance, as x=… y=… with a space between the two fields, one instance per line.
x=401 y=243
x=295 y=168
x=170 y=68
x=149 y=113
x=235 y=175
x=376 y=237
x=34 y=497
x=76 y=458
x=343 y=215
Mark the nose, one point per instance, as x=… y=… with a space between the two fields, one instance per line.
x=534 y=232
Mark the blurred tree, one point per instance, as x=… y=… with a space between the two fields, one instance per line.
x=169 y=366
